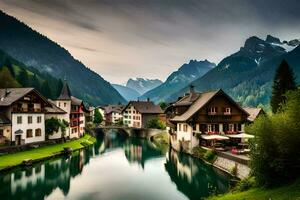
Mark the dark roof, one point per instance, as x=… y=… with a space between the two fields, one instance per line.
x=65 y=93
x=145 y=107
x=10 y=95
x=53 y=109
x=113 y=108
x=201 y=101
x=78 y=102
x=4 y=120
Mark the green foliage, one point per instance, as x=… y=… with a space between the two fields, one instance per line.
x=46 y=90
x=284 y=81
x=233 y=171
x=120 y=122
x=163 y=105
x=23 y=77
x=7 y=80
x=205 y=154
x=53 y=124
x=246 y=184
x=156 y=123
x=98 y=118
x=275 y=150
x=210 y=156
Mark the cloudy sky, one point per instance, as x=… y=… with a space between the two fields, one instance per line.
x=121 y=39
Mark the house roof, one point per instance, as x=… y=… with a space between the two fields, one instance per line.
x=200 y=102
x=253 y=113
x=145 y=107
x=10 y=95
x=53 y=109
x=78 y=102
x=113 y=108
x=65 y=93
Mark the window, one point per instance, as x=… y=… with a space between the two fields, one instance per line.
x=179 y=127
x=227 y=111
x=58 y=104
x=231 y=127
x=209 y=128
x=185 y=127
x=1 y=132
x=19 y=120
x=38 y=132
x=65 y=104
x=213 y=110
x=133 y=117
x=29 y=118
x=29 y=133
x=39 y=119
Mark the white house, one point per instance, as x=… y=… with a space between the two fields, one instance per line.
x=24 y=110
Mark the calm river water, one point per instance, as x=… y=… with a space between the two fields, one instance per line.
x=116 y=168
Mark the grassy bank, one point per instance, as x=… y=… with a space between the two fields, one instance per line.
x=204 y=154
x=289 y=192
x=10 y=160
x=161 y=141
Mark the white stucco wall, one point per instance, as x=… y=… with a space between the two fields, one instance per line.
x=130 y=115
x=184 y=135
x=24 y=126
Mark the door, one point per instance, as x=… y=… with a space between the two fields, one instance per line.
x=18 y=139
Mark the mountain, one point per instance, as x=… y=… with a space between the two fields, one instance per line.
x=36 y=50
x=247 y=75
x=142 y=85
x=179 y=79
x=14 y=74
x=128 y=93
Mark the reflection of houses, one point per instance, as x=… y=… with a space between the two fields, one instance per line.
x=210 y=114
x=113 y=114
x=137 y=113
x=22 y=115
x=190 y=174
x=41 y=180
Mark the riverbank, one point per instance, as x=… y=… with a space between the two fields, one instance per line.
x=161 y=141
x=9 y=161
x=291 y=191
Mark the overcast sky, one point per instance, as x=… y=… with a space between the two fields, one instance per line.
x=121 y=39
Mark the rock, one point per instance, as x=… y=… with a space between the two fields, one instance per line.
x=27 y=162
x=67 y=150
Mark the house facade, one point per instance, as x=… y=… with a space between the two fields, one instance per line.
x=22 y=113
x=210 y=114
x=136 y=114
x=112 y=114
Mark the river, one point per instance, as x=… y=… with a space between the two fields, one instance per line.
x=116 y=168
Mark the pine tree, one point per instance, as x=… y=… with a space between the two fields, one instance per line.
x=23 y=78
x=9 y=66
x=284 y=81
x=6 y=79
x=59 y=87
x=46 y=90
x=97 y=116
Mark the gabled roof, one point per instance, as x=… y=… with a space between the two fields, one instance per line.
x=11 y=95
x=145 y=107
x=78 y=102
x=53 y=109
x=200 y=102
x=65 y=93
x=253 y=113
x=113 y=108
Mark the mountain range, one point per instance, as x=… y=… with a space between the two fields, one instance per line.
x=142 y=85
x=179 y=79
x=247 y=75
x=37 y=51
x=126 y=92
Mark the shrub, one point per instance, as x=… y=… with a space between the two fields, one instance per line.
x=233 y=171
x=210 y=156
x=156 y=123
x=207 y=155
x=245 y=184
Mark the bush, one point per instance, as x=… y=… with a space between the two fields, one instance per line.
x=233 y=171
x=245 y=184
x=156 y=123
x=275 y=151
x=207 y=155
x=210 y=156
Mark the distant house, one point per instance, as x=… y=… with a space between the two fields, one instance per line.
x=22 y=115
x=254 y=113
x=213 y=114
x=137 y=113
x=113 y=114
x=75 y=110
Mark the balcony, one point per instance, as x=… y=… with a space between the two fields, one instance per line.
x=26 y=110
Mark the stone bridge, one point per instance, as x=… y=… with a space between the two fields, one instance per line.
x=132 y=132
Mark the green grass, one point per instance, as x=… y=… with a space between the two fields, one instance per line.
x=43 y=152
x=289 y=192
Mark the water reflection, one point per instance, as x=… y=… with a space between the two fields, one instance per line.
x=194 y=178
x=191 y=177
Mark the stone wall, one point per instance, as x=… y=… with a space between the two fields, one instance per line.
x=227 y=165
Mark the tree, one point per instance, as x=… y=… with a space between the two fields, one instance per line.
x=59 y=87
x=156 y=123
x=46 y=90
x=51 y=125
x=284 y=81
x=275 y=150
x=163 y=105
x=23 y=78
x=98 y=118
x=6 y=79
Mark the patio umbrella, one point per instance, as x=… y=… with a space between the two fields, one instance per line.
x=241 y=135
x=214 y=137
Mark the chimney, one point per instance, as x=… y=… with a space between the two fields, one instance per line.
x=7 y=92
x=148 y=99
